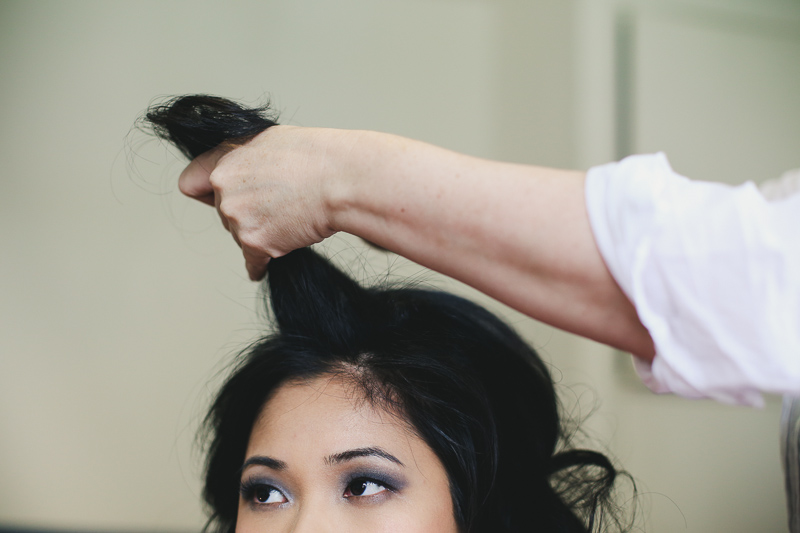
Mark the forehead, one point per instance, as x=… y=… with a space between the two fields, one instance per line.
x=323 y=415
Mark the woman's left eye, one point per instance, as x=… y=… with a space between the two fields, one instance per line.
x=363 y=487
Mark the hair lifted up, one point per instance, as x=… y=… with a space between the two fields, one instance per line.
x=463 y=380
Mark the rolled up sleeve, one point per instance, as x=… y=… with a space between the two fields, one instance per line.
x=714 y=273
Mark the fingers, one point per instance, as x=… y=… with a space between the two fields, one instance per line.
x=254 y=261
x=216 y=200
x=195 y=180
x=256 y=264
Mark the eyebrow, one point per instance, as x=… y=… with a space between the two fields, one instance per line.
x=349 y=455
x=264 y=460
x=334 y=459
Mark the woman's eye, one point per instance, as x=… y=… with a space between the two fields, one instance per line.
x=363 y=487
x=266 y=494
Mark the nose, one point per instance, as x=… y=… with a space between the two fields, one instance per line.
x=318 y=519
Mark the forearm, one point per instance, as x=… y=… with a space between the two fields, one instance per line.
x=518 y=233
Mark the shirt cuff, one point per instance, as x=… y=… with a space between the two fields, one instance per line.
x=711 y=272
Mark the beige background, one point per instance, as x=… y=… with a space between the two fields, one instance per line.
x=121 y=301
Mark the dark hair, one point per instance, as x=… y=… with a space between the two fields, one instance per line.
x=466 y=383
x=197 y=123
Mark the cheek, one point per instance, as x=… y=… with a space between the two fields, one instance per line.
x=406 y=517
x=429 y=510
x=248 y=522
x=438 y=520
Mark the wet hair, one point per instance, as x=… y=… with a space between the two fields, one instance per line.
x=462 y=379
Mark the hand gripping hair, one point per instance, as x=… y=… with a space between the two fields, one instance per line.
x=466 y=383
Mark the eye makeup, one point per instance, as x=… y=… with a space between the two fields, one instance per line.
x=258 y=491
x=360 y=476
x=356 y=482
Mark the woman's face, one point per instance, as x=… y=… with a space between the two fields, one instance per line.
x=322 y=460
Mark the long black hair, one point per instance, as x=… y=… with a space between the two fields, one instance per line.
x=466 y=383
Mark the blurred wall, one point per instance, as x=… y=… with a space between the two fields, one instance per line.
x=713 y=84
x=121 y=301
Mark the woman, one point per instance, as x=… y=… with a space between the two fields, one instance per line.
x=392 y=409
x=383 y=409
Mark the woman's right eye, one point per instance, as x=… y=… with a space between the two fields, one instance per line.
x=264 y=494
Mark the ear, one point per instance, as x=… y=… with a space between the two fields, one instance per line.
x=312 y=298
x=197 y=123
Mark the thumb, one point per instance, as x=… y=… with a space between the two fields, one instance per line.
x=195 y=180
x=255 y=263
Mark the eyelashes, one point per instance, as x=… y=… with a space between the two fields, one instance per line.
x=262 y=492
x=360 y=487
x=364 y=487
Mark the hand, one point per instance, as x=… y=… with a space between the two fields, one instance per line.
x=270 y=192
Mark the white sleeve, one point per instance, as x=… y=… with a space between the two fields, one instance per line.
x=714 y=274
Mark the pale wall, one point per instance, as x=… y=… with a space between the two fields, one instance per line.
x=120 y=301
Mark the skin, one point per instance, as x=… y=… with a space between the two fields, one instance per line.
x=321 y=459
x=518 y=233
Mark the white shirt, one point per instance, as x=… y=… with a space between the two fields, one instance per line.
x=714 y=273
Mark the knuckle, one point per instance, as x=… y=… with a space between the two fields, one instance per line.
x=221 y=176
x=217 y=180
x=249 y=240
x=228 y=209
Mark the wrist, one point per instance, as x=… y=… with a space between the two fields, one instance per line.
x=352 y=176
